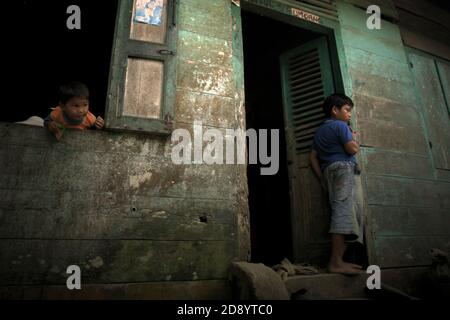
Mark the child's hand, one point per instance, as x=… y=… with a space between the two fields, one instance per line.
x=99 y=123
x=353 y=133
x=53 y=128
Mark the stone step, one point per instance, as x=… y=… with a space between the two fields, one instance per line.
x=327 y=286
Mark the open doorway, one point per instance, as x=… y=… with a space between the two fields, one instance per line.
x=264 y=41
x=288 y=73
x=45 y=54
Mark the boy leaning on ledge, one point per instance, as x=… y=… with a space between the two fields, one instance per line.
x=332 y=159
x=73 y=111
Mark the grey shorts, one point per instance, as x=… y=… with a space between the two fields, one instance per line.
x=346 y=214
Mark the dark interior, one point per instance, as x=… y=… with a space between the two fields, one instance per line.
x=45 y=54
x=264 y=40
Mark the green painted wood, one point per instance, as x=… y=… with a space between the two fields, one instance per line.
x=299 y=82
x=307 y=78
x=100 y=217
x=213 y=110
x=444 y=77
x=395 y=221
x=112 y=261
x=387 y=6
x=123 y=48
x=407 y=251
x=385 y=42
x=204 y=78
x=430 y=93
x=202 y=48
x=282 y=10
x=208 y=18
x=397 y=163
x=398 y=191
x=243 y=241
x=127 y=165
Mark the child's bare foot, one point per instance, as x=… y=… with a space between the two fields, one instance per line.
x=345 y=268
x=357 y=266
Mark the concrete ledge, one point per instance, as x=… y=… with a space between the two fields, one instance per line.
x=255 y=281
x=327 y=286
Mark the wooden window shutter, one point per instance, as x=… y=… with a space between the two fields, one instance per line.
x=306 y=80
x=141 y=93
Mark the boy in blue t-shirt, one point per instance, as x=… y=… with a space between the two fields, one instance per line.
x=333 y=160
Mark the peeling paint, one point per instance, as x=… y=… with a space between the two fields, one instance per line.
x=137 y=181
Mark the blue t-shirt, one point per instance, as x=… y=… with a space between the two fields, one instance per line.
x=329 y=141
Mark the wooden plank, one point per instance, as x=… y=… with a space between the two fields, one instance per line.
x=426 y=44
x=170 y=290
x=384 y=47
x=203 y=78
x=401 y=90
x=385 y=42
x=206 y=18
x=354 y=14
x=143 y=88
x=425 y=27
x=392 y=191
x=212 y=110
x=389 y=221
x=397 y=164
x=444 y=77
x=407 y=251
x=389 y=136
x=424 y=9
x=242 y=214
x=413 y=281
x=443 y=175
x=429 y=91
x=146 y=218
x=387 y=111
x=423 y=33
x=26 y=262
x=387 y=7
x=201 y=48
x=74 y=141
x=130 y=175
x=375 y=65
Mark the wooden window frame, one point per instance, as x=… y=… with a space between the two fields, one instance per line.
x=125 y=47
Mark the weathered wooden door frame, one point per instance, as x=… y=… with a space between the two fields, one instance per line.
x=281 y=10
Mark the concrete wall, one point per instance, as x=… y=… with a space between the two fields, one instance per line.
x=408 y=203
x=115 y=204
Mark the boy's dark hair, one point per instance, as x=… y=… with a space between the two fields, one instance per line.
x=73 y=89
x=336 y=99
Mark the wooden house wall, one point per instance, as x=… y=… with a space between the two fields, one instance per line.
x=408 y=204
x=115 y=204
